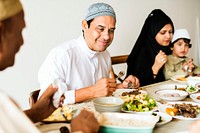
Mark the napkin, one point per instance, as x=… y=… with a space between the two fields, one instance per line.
x=61 y=90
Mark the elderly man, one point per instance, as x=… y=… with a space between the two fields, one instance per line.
x=11 y=118
x=83 y=64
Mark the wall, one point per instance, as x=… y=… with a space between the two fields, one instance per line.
x=51 y=22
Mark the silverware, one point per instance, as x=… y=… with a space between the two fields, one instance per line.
x=121 y=73
x=63 y=114
x=187 y=72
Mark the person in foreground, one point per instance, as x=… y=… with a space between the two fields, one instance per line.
x=178 y=63
x=83 y=64
x=150 y=51
x=12 y=119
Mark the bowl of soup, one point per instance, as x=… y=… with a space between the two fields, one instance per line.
x=108 y=104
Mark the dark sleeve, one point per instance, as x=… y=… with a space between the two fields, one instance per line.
x=141 y=68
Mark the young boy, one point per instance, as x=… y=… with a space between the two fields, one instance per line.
x=178 y=63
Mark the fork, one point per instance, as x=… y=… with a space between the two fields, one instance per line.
x=121 y=73
x=63 y=114
x=187 y=71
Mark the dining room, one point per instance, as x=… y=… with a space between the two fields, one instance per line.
x=49 y=23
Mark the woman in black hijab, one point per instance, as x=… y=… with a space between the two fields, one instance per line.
x=150 y=51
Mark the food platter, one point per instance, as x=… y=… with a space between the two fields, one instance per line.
x=179 y=78
x=172 y=87
x=57 y=116
x=163 y=107
x=119 y=92
x=143 y=113
x=165 y=118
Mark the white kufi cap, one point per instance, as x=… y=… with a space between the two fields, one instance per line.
x=180 y=33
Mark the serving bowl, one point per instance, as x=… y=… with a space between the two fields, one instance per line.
x=126 y=123
x=171 y=95
x=108 y=104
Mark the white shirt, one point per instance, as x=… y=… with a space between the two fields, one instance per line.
x=12 y=119
x=74 y=64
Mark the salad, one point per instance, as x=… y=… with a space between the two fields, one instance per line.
x=138 y=103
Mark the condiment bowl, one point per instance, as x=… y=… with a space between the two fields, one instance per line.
x=108 y=104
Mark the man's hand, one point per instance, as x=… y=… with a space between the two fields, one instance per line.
x=85 y=122
x=44 y=106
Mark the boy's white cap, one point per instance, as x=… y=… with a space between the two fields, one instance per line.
x=180 y=33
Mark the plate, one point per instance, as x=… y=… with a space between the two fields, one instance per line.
x=165 y=118
x=144 y=113
x=127 y=123
x=194 y=97
x=56 y=116
x=171 y=95
x=179 y=78
x=119 y=92
x=162 y=108
x=172 y=87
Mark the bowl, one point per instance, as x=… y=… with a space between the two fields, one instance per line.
x=108 y=104
x=195 y=97
x=171 y=95
x=193 y=80
x=191 y=89
x=126 y=123
x=197 y=86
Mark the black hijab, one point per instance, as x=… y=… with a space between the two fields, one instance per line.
x=142 y=56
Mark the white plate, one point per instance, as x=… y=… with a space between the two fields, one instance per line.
x=119 y=92
x=162 y=108
x=164 y=117
x=171 y=95
x=194 y=97
x=134 y=112
x=175 y=78
x=172 y=87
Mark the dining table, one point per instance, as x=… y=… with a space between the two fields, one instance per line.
x=174 y=126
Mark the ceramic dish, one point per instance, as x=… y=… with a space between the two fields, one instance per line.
x=171 y=95
x=163 y=107
x=127 y=123
x=195 y=97
x=191 y=89
x=197 y=86
x=56 y=116
x=172 y=87
x=179 y=78
x=119 y=92
x=143 y=113
x=108 y=104
x=165 y=118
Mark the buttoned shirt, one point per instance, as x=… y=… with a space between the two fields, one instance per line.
x=75 y=64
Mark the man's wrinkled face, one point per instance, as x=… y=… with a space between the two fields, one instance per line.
x=100 y=34
x=11 y=39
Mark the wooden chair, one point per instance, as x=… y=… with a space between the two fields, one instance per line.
x=33 y=97
x=120 y=59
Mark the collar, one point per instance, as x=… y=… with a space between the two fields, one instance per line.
x=176 y=60
x=83 y=45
